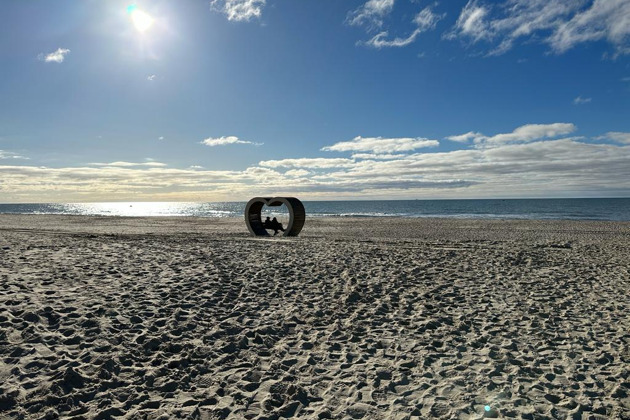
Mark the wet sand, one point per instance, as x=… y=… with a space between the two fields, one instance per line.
x=153 y=318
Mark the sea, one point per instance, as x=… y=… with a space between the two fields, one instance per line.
x=616 y=209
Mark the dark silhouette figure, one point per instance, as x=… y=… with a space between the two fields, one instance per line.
x=273 y=225
x=276 y=226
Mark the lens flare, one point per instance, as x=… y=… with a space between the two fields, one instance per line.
x=141 y=20
x=487 y=408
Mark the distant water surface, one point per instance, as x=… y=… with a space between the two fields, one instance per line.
x=571 y=209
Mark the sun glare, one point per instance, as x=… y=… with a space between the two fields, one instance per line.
x=141 y=20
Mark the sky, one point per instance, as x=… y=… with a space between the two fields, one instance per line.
x=224 y=100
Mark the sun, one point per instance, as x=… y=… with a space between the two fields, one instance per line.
x=141 y=20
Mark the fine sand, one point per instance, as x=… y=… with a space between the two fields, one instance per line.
x=147 y=318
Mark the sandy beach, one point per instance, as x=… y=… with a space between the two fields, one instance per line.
x=159 y=318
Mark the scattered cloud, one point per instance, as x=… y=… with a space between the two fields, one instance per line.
x=24 y=183
x=616 y=136
x=471 y=23
x=381 y=145
x=161 y=138
x=604 y=20
x=466 y=137
x=379 y=40
x=377 y=156
x=313 y=163
x=531 y=132
x=532 y=160
x=297 y=173
x=522 y=134
x=122 y=164
x=222 y=141
x=580 y=101
x=424 y=21
x=239 y=10
x=55 y=56
x=559 y=23
x=151 y=77
x=10 y=155
x=371 y=13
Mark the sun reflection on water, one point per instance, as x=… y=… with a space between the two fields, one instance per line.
x=151 y=209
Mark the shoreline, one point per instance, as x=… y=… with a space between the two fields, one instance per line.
x=611 y=209
x=393 y=229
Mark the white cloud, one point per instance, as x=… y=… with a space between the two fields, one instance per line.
x=522 y=134
x=297 y=173
x=561 y=24
x=616 y=136
x=512 y=169
x=379 y=40
x=161 y=138
x=222 y=141
x=239 y=10
x=471 y=22
x=122 y=164
x=102 y=183
x=424 y=21
x=530 y=132
x=527 y=162
x=466 y=137
x=580 y=101
x=10 y=155
x=314 y=163
x=55 y=56
x=377 y=156
x=151 y=77
x=605 y=19
x=381 y=145
x=195 y=167
x=371 y=13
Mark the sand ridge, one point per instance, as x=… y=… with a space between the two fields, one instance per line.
x=192 y=318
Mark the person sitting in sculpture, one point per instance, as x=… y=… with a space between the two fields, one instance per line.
x=275 y=226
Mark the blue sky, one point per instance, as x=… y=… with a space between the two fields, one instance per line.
x=321 y=99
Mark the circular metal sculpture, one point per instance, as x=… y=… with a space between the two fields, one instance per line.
x=297 y=215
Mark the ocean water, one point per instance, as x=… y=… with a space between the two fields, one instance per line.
x=571 y=209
